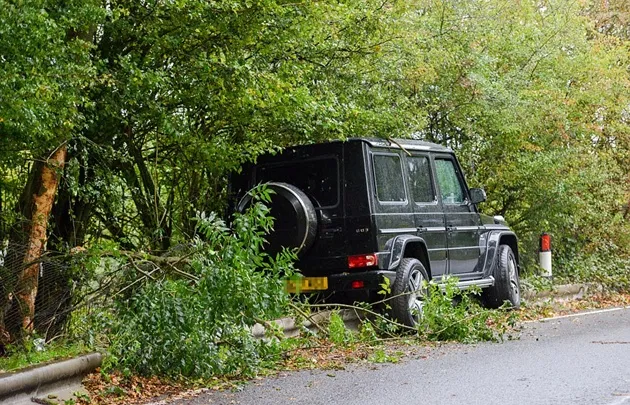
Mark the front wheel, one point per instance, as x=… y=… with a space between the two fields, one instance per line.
x=506 y=282
x=409 y=292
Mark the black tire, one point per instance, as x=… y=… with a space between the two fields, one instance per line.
x=295 y=219
x=507 y=285
x=408 y=292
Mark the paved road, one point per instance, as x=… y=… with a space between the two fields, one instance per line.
x=575 y=360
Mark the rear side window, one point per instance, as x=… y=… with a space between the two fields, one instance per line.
x=420 y=179
x=389 y=178
x=318 y=178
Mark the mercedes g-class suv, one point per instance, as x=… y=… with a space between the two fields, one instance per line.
x=363 y=209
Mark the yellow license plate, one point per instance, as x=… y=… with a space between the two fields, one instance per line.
x=307 y=284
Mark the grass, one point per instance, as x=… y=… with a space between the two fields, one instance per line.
x=22 y=357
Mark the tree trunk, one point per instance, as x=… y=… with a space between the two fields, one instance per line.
x=70 y=219
x=38 y=202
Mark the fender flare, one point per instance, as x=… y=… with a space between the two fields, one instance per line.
x=492 y=248
x=397 y=247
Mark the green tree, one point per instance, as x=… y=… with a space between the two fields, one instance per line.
x=536 y=102
x=189 y=90
x=44 y=50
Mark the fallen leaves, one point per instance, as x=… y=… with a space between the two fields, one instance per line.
x=118 y=389
x=549 y=309
x=323 y=355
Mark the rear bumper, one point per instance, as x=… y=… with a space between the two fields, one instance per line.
x=372 y=280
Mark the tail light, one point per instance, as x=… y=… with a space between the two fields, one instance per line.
x=357 y=284
x=359 y=261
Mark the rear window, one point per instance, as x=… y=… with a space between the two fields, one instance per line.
x=318 y=178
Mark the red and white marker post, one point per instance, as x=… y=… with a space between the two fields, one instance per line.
x=544 y=254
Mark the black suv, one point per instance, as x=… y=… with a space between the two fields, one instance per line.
x=364 y=209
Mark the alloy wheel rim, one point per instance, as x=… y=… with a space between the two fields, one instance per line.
x=416 y=294
x=513 y=277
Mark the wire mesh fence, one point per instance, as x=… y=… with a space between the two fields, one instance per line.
x=54 y=291
x=77 y=293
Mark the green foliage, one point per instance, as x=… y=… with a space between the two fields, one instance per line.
x=337 y=331
x=45 y=53
x=577 y=201
x=367 y=332
x=381 y=356
x=535 y=282
x=454 y=315
x=610 y=270
x=162 y=99
x=215 y=84
x=45 y=67
x=527 y=98
x=176 y=327
x=449 y=314
x=34 y=351
x=386 y=287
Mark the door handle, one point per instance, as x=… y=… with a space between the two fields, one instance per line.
x=421 y=229
x=450 y=228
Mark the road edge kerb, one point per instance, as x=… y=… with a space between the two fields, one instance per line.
x=31 y=379
x=291 y=327
x=563 y=292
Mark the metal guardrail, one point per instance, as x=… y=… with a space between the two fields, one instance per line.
x=62 y=377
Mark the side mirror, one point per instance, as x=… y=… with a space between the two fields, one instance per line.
x=477 y=195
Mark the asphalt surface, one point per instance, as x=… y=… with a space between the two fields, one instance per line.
x=575 y=360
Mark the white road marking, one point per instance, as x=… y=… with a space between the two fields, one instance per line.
x=623 y=398
x=599 y=311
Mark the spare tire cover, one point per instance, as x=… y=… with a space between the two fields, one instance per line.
x=295 y=219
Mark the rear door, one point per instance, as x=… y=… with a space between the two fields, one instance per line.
x=316 y=171
x=428 y=214
x=462 y=219
x=392 y=209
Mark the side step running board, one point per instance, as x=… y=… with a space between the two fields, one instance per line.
x=462 y=285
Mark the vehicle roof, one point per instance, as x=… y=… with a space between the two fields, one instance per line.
x=397 y=143
x=318 y=148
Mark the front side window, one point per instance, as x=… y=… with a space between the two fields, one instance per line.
x=389 y=178
x=450 y=187
x=420 y=179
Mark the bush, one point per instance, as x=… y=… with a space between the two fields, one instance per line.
x=610 y=269
x=178 y=327
x=456 y=315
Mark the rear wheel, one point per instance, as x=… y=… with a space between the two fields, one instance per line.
x=506 y=281
x=409 y=292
